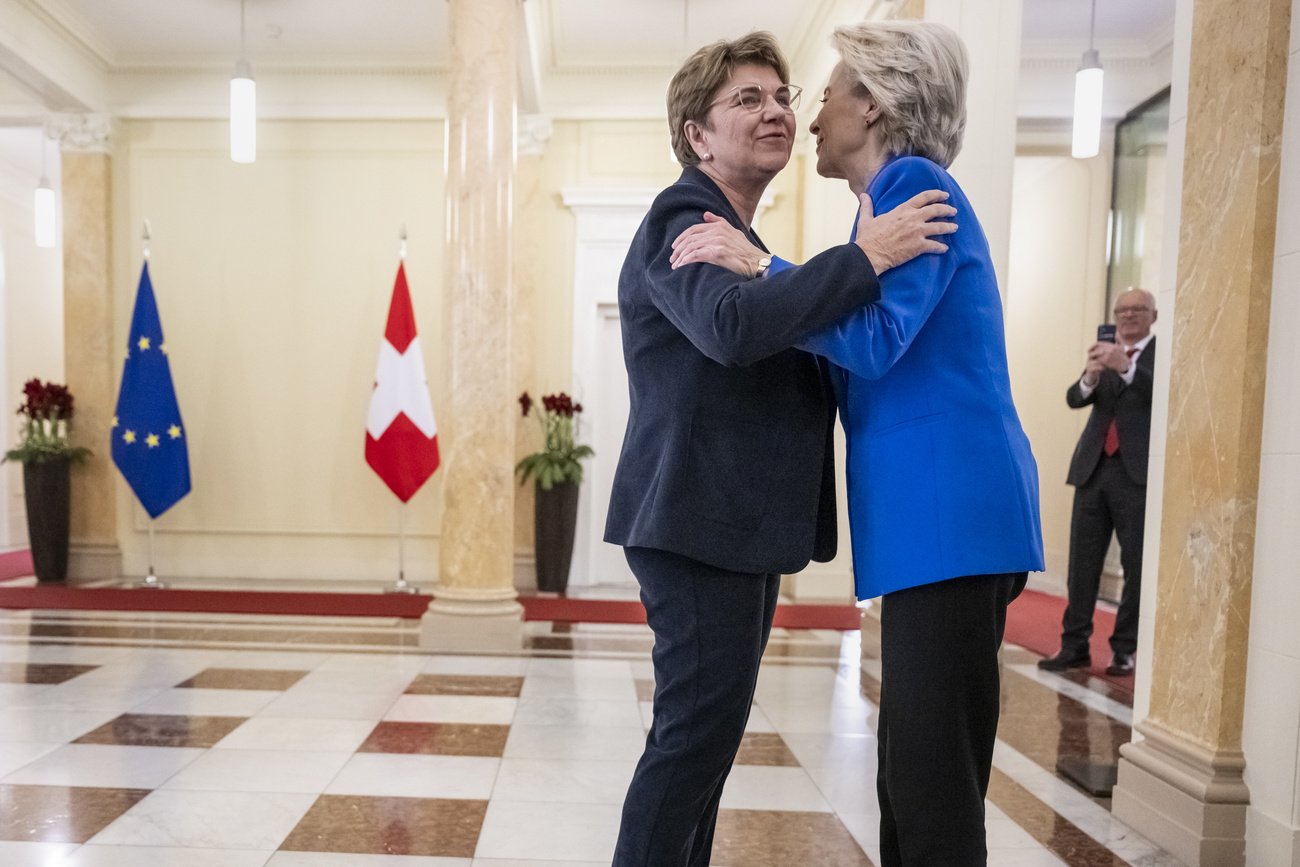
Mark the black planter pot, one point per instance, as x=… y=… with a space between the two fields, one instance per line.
x=46 y=487
x=555 y=517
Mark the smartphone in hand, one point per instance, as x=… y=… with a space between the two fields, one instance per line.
x=1105 y=333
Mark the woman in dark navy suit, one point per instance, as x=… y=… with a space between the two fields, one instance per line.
x=943 y=487
x=726 y=477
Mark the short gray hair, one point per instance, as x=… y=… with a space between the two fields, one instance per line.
x=690 y=93
x=916 y=71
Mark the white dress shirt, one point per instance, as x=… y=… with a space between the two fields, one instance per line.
x=1127 y=376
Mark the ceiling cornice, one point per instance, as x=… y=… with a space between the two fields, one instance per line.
x=74 y=30
x=283 y=64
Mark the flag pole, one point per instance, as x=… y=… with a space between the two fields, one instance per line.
x=151 y=580
x=401 y=586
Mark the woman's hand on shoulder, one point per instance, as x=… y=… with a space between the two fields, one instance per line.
x=906 y=232
x=716 y=242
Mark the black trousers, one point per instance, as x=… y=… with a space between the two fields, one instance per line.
x=711 y=627
x=939 y=701
x=1110 y=501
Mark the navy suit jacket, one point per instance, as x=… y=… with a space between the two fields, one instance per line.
x=728 y=456
x=1129 y=406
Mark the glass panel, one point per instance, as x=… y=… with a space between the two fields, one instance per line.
x=1138 y=201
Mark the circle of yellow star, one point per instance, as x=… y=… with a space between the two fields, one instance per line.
x=174 y=432
x=152 y=441
x=143 y=343
x=114 y=421
x=129 y=436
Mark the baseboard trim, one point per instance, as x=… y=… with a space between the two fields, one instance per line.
x=1269 y=841
x=1186 y=799
x=93 y=561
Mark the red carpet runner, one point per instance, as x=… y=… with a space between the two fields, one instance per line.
x=367 y=605
x=1033 y=620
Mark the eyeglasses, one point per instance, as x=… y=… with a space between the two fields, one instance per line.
x=751 y=97
x=1122 y=311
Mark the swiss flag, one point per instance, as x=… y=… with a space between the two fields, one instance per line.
x=401 y=435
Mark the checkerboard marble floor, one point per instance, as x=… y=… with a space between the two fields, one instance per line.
x=218 y=741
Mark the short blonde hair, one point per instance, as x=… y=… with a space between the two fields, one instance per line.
x=690 y=93
x=916 y=71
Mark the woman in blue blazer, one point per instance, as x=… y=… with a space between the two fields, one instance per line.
x=943 y=488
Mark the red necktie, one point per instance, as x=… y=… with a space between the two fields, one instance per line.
x=1112 y=433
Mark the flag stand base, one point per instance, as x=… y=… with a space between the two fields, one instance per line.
x=151 y=582
x=402 y=587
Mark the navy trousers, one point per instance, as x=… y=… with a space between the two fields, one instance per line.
x=939 y=701
x=711 y=626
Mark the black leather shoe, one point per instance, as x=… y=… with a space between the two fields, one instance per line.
x=1065 y=660
x=1120 y=665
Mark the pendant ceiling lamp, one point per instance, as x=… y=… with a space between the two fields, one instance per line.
x=46 y=219
x=1087 y=99
x=243 y=104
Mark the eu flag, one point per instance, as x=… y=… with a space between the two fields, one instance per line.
x=148 y=435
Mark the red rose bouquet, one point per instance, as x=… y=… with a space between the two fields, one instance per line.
x=559 y=459
x=46 y=410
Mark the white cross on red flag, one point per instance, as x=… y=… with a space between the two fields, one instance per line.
x=401 y=435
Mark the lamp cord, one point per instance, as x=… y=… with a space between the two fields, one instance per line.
x=1092 y=25
x=243 y=51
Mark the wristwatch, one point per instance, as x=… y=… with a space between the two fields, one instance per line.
x=763 y=264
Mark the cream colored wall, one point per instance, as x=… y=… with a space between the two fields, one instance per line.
x=1055 y=298
x=31 y=314
x=273 y=282
x=1271 y=736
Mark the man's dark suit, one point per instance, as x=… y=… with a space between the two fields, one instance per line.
x=725 y=481
x=1110 y=495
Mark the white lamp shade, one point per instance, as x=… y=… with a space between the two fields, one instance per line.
x=1087 y=112
x=46 y=222
x=243 y=118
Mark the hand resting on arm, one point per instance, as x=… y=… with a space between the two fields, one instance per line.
x=888 y=240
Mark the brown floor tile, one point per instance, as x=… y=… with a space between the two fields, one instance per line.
x=18 y=672
x=437 y=739
x=870 y=688
x=355 y=824
x=466 y=684
x=61 y=814
x=1046 y=725
x=645 y=689
x=775 y=838
x=243 y=678
x=1048 y=827
x=195 y=633
x=1018 y=656
x=777 y=649
x=162 y=730
x=763 y=748
x=581 y=644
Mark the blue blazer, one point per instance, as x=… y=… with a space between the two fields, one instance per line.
x=728 y=456
x=941 y=479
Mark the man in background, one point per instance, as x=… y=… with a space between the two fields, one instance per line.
x=1109 y=474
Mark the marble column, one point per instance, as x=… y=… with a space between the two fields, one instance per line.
x=1181 y=783
x=87 y=338
x=475 y=593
